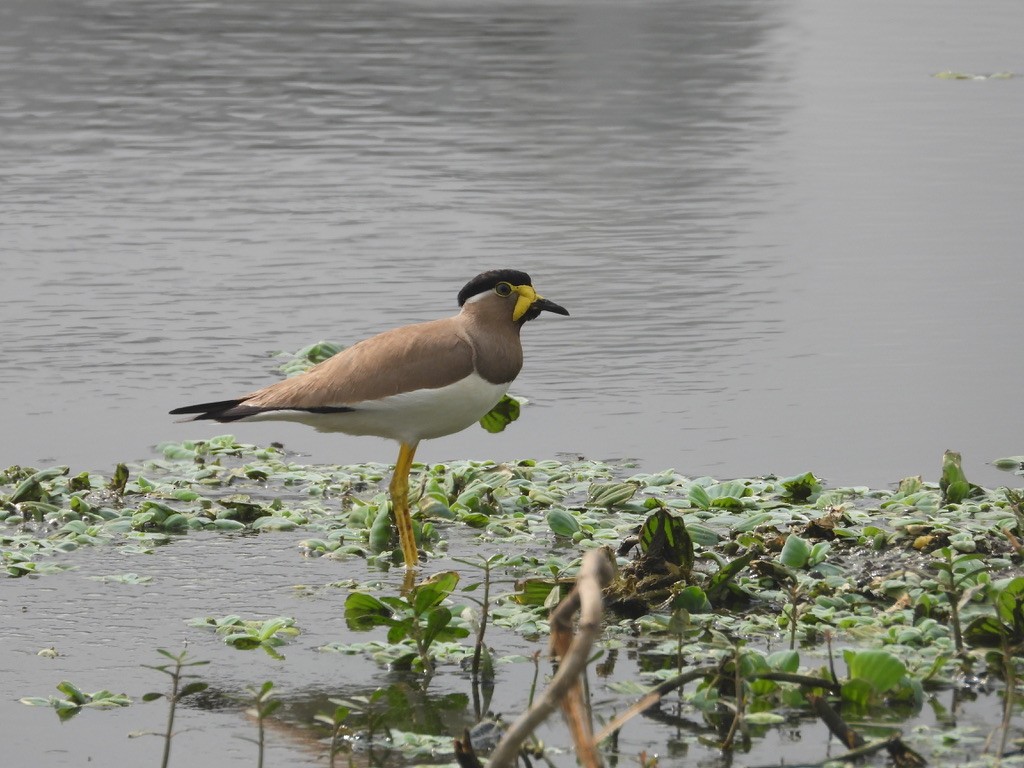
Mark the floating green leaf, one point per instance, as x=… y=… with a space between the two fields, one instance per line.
x=1010 y=463
x=698 y=497
x=691 y=599
x=31 y=488
x=800 y=488
x=610 y=495
x=363 y=611
x=796 y=552
x=501 y=415
x=954 y=485
x=1010 y=607
x=664 y=536
x=764 y=718
x=563 y=523
x=307 y=357
x=881 y=670
x=75 y=699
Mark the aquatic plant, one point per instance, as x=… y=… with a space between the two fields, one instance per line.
x=482 y=666
x=263 y=706
x=336 y=720
x=247 y=634
x=713 y=575
x=418 y=618
x=176 y=671
x=75 y=699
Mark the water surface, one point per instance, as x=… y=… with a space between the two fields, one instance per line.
x=785 y=245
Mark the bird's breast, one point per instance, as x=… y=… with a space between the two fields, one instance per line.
x=498 y=358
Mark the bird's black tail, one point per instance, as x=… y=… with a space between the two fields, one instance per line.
x=221 y=410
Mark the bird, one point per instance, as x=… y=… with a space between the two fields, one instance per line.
x=407 y=384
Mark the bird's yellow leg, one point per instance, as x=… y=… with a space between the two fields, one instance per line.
x=399 y=490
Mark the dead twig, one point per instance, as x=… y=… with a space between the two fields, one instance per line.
x=595 y=573
x=465 y=755
x=805 y=681
x=652 y=697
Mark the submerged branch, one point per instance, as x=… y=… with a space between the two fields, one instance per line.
x=902 y=755
x=651 y=698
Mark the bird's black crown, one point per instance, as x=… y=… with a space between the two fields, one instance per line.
x=485 y=281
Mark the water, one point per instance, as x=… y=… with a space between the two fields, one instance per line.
x=784 y=244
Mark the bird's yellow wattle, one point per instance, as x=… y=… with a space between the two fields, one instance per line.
x=526 y=298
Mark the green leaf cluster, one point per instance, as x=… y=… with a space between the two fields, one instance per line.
x=247 y=634
x=418 y=619
x=74 y=699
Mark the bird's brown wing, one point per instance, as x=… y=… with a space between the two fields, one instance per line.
x=422 y=356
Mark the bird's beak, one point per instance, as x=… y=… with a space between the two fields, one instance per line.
x=544 y=305
x=530 y=304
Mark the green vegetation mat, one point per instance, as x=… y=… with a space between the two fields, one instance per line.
x=754 y=600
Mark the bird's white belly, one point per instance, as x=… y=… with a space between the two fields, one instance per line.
x=408 y=417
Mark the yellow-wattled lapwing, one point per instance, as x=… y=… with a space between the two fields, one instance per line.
x=408 y=384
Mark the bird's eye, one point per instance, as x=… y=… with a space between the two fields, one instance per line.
x=503 y=289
